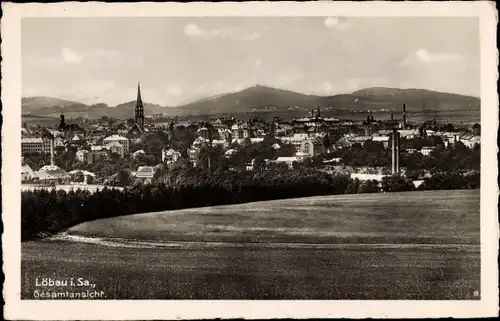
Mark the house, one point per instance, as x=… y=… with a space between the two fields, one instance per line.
x=225 y=134
x=240 y=131
x=287 y=160
x=82 y=155
x=145 y=173
x=118 y=139
x=312 y=147
x=138 y=153
x=229 y=152
x=256 y=140
x=204 y=133
x=27 y=173
x=367 y=177
x=408 y=133
x=469 y=140
x=426 y=150
x=116 y=148
x=170 y=156
x=296 y=140
x=52 y=174
x=382 y=139
x=193 y=155
x=97 y=153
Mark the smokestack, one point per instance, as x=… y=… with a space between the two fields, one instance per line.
x=395 y=151
x=404 y=116
x=52 y=162
x=392 y=114
x=370 y=120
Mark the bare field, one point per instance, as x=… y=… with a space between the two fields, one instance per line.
x=330 y=250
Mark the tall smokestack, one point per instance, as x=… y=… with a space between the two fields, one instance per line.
x=370 y=121
x=395 y=151
x=404 y=116
x=392 y=114
x=52 y=162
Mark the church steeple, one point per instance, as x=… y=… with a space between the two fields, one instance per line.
x=139 y=99
x=139 y=109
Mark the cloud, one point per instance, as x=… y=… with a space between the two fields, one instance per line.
x=195 y=32
x=173 y=90
x=424 y=56
x=335 y=23
x=71 y=56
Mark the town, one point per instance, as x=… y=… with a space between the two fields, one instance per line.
x=123 y=153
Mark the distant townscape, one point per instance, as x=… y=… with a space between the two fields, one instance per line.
x=121 y=153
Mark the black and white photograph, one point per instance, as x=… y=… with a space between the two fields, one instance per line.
x=257 y=157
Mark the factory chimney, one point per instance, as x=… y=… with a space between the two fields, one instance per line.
x=404 y=116
x=392 y=114
x=395 y=151
x=52 y=162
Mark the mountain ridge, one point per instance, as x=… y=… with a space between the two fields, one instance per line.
x=266 y=99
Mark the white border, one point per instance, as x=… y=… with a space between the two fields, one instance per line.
x=133 y=310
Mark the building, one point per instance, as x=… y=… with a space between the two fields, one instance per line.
x=296 y=140
x=384 y=140
x=27 y=173
x=52 y=174
x=116 y=148
x=240 y=131
x=426 y=150
x=117 y=139
x=98 y=153
x=138 y=153
x=137 y=130
x=82 y=155
x=70 y=130
x=170 y=156
x=193 y=155
x=368 y=177
x=145 y=173
x=287 y=160
x=35 y=145
x=312 y=147
x=409 y=133
x=204 y=133
x=469 y=140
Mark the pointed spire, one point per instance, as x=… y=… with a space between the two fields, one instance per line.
x=139 y=99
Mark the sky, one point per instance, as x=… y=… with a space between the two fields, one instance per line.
x=178 y=60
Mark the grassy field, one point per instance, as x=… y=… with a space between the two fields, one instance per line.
x=441 y=217
x=448 y=269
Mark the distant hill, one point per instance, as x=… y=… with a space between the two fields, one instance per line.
x=416 y=100
x=40 y=103
x=268 y=100
x=252 y=99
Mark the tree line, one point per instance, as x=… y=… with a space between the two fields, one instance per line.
x=181 y=187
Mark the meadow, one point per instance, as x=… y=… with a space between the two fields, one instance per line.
x=427 y=217
x=411 y=245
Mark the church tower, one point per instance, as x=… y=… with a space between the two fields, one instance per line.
x=139 y=109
